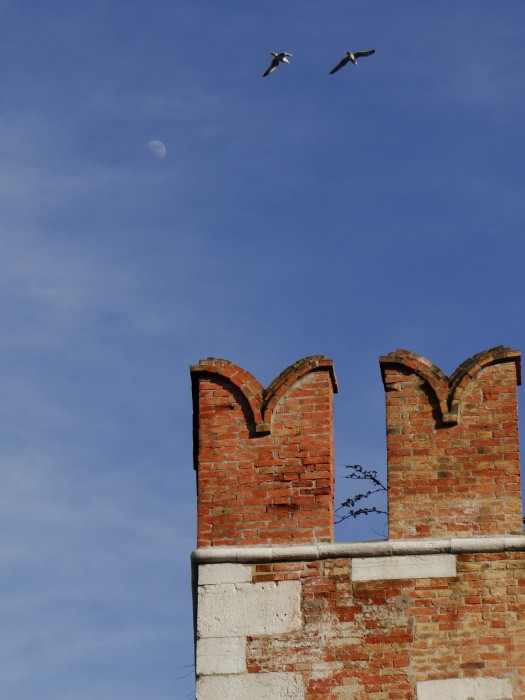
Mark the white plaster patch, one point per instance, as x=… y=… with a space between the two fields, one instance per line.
x=412 y=566
x=243 y=609
x=252 y=686
x=224 y=573
x=465 y=689
x=221 y=656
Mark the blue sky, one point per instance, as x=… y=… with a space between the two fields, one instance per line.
x=302 y=213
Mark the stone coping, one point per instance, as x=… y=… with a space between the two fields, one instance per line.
x=353 y=550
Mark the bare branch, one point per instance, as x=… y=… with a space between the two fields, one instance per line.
x=363 y=474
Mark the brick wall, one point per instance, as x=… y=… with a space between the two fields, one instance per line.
x=436 y=612
x=379 y=638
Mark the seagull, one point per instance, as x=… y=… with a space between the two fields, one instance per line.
x=277 y=58
x=351 y=57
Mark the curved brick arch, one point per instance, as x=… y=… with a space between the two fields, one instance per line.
x=247 y=384
x=469 y=369
x=435 y=378
x=449 y=391
x=262 y=401
x=282 y=384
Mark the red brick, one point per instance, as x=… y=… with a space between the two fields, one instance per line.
x=432 y=447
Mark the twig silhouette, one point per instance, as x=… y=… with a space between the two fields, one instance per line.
x=351 y=504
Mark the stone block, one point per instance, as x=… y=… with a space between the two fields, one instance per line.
x=404 y=567
x=243 y=609
x=219 y=656
x=252 y=686
x=465 y=689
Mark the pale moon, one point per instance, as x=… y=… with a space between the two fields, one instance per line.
x=158 y=148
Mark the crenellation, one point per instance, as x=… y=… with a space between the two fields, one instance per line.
x=436 y=612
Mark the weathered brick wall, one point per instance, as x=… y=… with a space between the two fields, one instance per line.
x=375 y=636
x=264 y=458
x=377 y=639
x=437 y=612
x=452 y=445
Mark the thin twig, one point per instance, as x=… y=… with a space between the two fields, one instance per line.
x=361 y=473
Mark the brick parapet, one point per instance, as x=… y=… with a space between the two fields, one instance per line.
x=264 y=457
x=452 y=445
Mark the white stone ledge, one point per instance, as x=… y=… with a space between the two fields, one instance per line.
x=355 y=550
x=465 y=689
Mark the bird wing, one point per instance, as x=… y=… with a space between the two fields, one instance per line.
x=357 y=54
x=341 y=63
x=273 y=65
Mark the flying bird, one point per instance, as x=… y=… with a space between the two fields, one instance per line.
x=351 y=57
x=277 y=58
